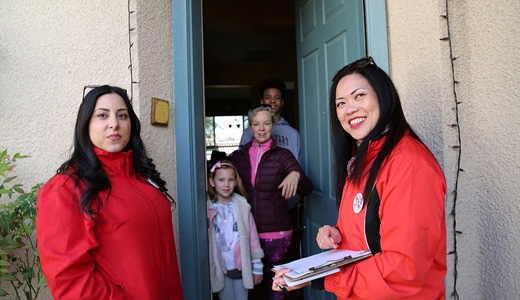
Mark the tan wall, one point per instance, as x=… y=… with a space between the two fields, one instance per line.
x=486 y=37
x=50 y=49
x=154 y=44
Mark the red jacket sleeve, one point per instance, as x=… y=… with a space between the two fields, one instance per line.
x=65 y=240
x=413 y=236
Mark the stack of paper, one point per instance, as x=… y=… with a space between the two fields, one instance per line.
x=319 y=265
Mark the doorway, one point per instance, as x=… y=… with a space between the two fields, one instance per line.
x=190 y=112
x=245 y=42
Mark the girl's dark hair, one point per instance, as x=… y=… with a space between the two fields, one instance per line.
x=84 y=166
x=391 y=118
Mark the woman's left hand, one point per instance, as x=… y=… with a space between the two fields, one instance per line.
x=289 y=184
x=278 y=281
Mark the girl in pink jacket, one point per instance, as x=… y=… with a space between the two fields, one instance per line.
x=234 y=247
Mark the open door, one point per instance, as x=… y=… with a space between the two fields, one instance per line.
x=329 y=34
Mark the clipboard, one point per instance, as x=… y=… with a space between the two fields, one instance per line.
x=319 y=265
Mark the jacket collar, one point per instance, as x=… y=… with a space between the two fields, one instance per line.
x=115 y=162
x=282 y=122
x=248 y=145
x=375 y=146
x=269 y=144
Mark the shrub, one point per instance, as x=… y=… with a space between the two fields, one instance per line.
x=19 y=259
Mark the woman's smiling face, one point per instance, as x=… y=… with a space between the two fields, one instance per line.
x=262 y=127
x=357 y=106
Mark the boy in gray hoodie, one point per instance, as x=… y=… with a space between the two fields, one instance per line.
x=272 y=92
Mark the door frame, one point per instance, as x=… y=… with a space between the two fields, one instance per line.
x=190 y=148
x=189 y=132
x=376 y=32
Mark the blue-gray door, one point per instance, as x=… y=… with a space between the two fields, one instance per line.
x=329 y=34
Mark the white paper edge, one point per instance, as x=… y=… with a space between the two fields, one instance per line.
x=293 y=283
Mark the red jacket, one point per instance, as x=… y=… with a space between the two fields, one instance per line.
x=130 y=255
x=412 y=261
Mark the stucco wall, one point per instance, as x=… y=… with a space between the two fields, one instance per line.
x=50 y=49
x=154 y=42
x=486 y=38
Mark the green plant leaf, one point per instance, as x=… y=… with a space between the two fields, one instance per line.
x=15 y=245
x=3 y=155
x=42 y=281
x=17 y=188
x=3 y=293
x=9 y=179
x=4 y=263
x=17 y=225
x=17 y=156
x=9 y=277
x=6 y=169
x=6 y=191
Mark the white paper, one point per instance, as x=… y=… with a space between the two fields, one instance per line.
x=293 y=283
x=301 y=266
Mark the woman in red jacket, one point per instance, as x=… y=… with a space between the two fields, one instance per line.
x=104 y=224
x=270 y=175
x=390 y=192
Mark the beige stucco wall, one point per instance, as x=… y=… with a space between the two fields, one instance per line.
x=50 y=49
x=486 y=37
x=154 y=44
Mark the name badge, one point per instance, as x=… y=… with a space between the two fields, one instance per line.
x=357 y=205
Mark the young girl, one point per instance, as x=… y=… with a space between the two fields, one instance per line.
x=234 y=247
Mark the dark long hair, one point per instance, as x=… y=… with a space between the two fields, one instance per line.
x=85 y=168
x=391 y=123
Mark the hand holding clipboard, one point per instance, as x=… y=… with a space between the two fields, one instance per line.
x=319 y=265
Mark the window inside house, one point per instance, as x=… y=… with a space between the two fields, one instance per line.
x=223 y=133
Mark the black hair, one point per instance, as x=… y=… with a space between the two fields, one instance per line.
x=391 y=123
x=84 y=166
x=271 y=83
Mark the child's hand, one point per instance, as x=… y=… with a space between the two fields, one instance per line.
x=257 y=278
